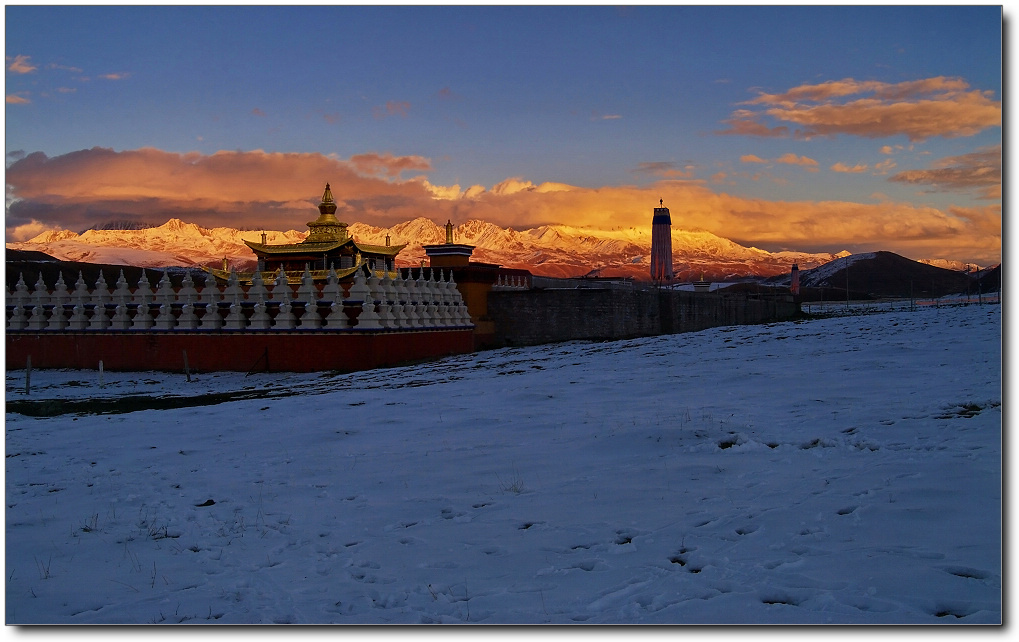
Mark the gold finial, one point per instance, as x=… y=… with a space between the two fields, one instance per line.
x=449 y=232
x=661 y=203
x=328 y=205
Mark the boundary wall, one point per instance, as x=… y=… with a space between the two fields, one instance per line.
x=538 y=316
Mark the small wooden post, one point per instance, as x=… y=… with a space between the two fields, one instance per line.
x=101 y=373
x=187 y=370
x=28 y=375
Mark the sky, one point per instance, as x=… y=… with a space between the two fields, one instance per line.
x=804 y=128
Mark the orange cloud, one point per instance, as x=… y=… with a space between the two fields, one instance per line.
x=27 y=231
x=855 y=169
x=786 y=159
x=986 y=219
x=12 y=99
x=21 y=65
x=793 y=159
x=980 y=170
x=115 y=76
x=918 y=109
x=389 y=165
x=280 y=191
x=746 y=126
x=848 y=87
x=883 y=167
x=240 y=189
x=391 y=108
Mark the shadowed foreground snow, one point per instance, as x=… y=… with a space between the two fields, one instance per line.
x=843 y=470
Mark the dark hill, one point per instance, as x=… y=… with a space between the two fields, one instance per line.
x=31 y=264
x=29 y=255
x=988 y=280
x=888 y=275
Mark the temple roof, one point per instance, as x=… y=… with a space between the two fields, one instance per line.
x=293 y=277
x=325 y=234
x=323 y=247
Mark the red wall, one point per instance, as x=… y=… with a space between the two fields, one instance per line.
x=272 y=351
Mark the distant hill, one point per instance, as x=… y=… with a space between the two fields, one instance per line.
x=29 y=255
x=989 y=280
x=29 y=265
x=885 y=274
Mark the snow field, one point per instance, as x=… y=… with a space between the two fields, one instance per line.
x=842 y=470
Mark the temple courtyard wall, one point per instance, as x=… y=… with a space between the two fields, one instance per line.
x=365 y=324
x=537 y=316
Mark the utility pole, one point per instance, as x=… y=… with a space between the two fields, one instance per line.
x=847 y=282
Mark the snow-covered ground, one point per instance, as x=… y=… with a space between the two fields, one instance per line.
x=841 y=470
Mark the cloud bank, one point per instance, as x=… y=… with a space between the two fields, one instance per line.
x=979 y=171
x=280 y=191
x=918 y=109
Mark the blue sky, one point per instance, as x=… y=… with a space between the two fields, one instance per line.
x=590 y=97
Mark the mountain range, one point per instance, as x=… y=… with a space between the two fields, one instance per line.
x=548 y=250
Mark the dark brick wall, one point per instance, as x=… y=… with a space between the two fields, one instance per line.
x=533 y=317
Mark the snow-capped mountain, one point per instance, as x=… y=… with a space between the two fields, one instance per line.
x=958 y=266
x=562 y=250
x=171 y=244
x=548 y=250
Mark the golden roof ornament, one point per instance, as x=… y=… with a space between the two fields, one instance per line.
x=327 y=208
x=327 y=198
x=327 y=227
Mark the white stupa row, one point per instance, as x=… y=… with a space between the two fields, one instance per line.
x=511 y=282
x=384 y=303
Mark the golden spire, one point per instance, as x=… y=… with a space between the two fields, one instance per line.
x=449 y=232
x=328 y=206
x=326 y=227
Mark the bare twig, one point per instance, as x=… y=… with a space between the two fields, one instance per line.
x=127 y=585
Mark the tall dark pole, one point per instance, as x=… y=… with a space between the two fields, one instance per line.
x=847 y=282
